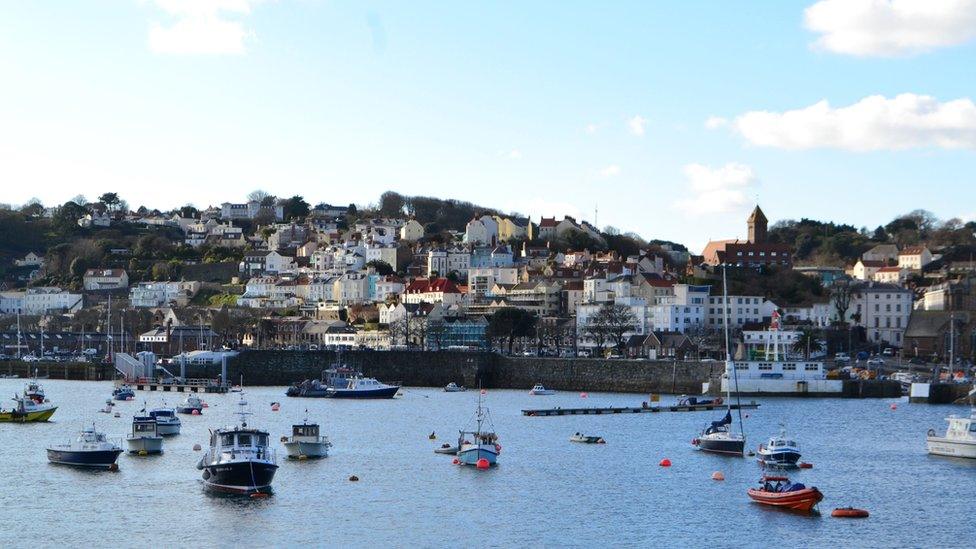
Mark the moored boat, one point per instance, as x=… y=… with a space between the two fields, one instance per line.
x=454 y=388
x=959 y=439
x=27 y=410
x=306 y=442
x=190 y=404
x=587 y=439
x=363 y=387
x=90 y=449
x=167 y=423
x=779 y=451
x=540 y=390
x=479 y=447
x=144 y=437
x=123 y=392
x=239 y=460
x=780 y=492
x=34 y=391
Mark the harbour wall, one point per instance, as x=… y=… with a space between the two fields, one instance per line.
x=83 y=371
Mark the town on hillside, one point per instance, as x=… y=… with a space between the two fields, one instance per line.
x=85 y=279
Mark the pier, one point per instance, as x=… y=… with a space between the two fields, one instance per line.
x=545 y=412
x=184 y=386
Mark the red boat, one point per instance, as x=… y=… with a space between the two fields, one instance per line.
x=780 y=492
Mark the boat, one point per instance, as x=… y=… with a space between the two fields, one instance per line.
x=306 y=442
x=960 y=436
x=363 y=387
x=446 y=449
x=107 y=409
x=145 y=437
x=190 y=404
x=166 y=421
x=479 y=447
x=539 y=390
x=239 y=460
x=34 y=391
x=27 y=410
x=780 y=492
x=90 y=449
x=454 y=388
x=779 y=451
x=310 y=388
x=123 y=392
x=587 y=439
x=720 y=437
x=341 y=381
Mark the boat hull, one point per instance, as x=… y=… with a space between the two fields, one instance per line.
x=148 y=445
x=313 y=450
x=99 y=459
x=241 y=477
x=469 y=454
x=801 y=501
x=385 y=392
x=779 y=459
x=27 y=417
x=307 y=393
x=189 y=409
x=729 y=447
x=941 y=446
x=167 y=429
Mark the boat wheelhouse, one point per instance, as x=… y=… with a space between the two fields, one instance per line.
x=167 y=422
x=959 y=439
x=27 y=410
x=144 y=437
x=306 y=442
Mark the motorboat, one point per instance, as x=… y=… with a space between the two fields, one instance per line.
x=166 y=421
x=145 y=437
x=454 y=388
x=108 y=408
x=959 y=439
x=239 y=460
x=779 y=451
x=90 y=449
x=34 y=391
x=539 y=390
x=587 y=439
x=780 y=492
x=123 y=392
x=306 y=442
x=191 y=404
x=479 y=447
x=310 y=388
x=446 y=449
x=27 y=410
x=363 y=387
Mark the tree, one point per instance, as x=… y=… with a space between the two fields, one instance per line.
x=841 y=295
x=189 y=211
x=382 y=267
x=257 y=195
x=392 y=204
x=511 y=323
x=295 y=208
x=808 y=342
x=78 y=267
x=879 y=234
x=111 y=200
x=66 y=217
x=611 y=323
x=33 y=208
x=351 y=210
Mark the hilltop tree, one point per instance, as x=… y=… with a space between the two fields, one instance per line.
x=392 y=204
x=257 y=195
x=111 y=200
x=295 y=208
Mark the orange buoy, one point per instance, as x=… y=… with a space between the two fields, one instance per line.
x=665 y=462
x=717 y=475
x=849 y=512
x=584 y=395
x=274 y=407
x=482 y=464
x=805 y=465
x=484 y=391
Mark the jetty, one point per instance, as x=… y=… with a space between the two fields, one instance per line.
x=145 y=374
x=546 y=412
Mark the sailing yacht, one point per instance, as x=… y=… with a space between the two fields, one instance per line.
x=479 y=447
x=720 y=437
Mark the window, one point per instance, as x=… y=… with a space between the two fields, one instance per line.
x=789 y=367
x=811 y=367
x=765 y=366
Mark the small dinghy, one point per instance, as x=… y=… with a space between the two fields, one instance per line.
x=780 y=492
x=587 y=439
x=447 y=449
x=454 y=388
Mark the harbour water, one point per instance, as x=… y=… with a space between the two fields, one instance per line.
x=545 y=492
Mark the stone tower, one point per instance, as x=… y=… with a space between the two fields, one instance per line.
x=757 y=226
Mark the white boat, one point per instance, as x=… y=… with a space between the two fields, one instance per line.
x=587 y=439
x=166 y=421
x=539 y=390
x=454 y=388
x=779 y=451
x=306 y=442
x=479 y=447
x=191 y=404
x=144 y=438
x=960 y=436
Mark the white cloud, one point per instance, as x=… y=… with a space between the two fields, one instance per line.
x=716 y=190
x=610 y=171
x=515 y=154
x=890 y=27
x=715 y=122
x=201 y=27
x=637 y=125
x=592 y=128
x=874 y=123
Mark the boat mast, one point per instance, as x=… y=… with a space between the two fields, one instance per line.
x=729 y=365
x=18 y=333
x=952 y=346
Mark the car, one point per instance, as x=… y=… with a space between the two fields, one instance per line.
x=917 y=360
x=30 y=358
x=876 y=361
x=889 y=351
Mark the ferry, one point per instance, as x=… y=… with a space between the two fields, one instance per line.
x=90 y=449
x=240 y=460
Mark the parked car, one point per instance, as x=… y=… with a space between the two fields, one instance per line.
x=889 y=351
x=30 y=358
x=842 y=358
x=876 y=361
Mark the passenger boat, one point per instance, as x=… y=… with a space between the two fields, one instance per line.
x=166 y=421
x=239 y=460
x=780 y=492
x=454 y=388
x=190 y=404
x=587 y=439
x=306 y=442
x=960 y=437
x=90 y=449
x=363 y=387
x=144 y=438
x=123 y=392
x=479 y=447
x=539 y=390
x=779 y=451
x=27 y=410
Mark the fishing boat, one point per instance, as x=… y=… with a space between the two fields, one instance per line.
x=719 y=437
x=123 y=392
x=27 y=410
x=780 y=492
x=454 y=388
x=306 y=442
x=587 y=439
x=539 y=390
x=190 y=404
x=779 y=451
x=166 y=421
x=960 y=437
x=479 y=447
x=239 y=460
x=363 y=387
x=144 y=437
x=90 y=449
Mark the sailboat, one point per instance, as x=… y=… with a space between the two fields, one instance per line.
x=720 y=437
x=479 y=447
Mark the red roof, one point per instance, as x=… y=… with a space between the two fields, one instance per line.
x=547 y=222
x=912 y=250
x=432 y=285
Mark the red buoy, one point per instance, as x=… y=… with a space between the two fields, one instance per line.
x=482 y=464
x=894 y=406
x=849 y=512
x=484 y=391
x=805 y=465
x=195 y=412
x=665 y=462
x=456 y=461
x=584 y=395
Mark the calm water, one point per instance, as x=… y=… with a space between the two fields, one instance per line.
x=545 y=492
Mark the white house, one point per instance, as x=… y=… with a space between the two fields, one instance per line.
x=892 y=274
x=30 y=260
x=411 y=231
x=740 y=310
x=914 y=258
x=105 y=279
x=481 y=230
x=40 y=300
x=161 y=294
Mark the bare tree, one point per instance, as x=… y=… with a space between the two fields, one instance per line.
x=841 y=295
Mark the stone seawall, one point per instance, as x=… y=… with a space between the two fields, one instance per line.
x=58 y=370
x=489 y=370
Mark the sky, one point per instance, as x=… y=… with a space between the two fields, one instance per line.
x=668 y=119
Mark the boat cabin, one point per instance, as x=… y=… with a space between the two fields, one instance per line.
x=238 y=444
x=144 y=426
x=162 y=413
x=961 y=428
x=305 y=430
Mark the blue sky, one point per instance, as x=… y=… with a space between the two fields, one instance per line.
x=544 y=108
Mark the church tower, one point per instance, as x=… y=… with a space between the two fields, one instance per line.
x=757 y=226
